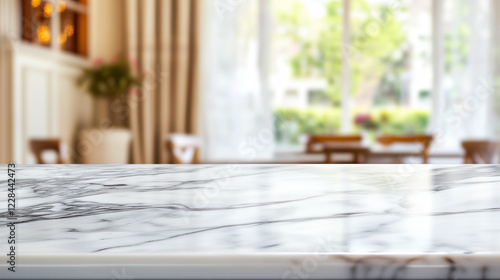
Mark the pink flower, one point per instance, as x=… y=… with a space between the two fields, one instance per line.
x=99 y=61
x=362 y=118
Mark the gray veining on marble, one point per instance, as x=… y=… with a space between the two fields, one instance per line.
x=416 y=216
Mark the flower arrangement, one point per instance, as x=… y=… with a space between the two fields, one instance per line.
x=108 y=80
x=365 y=121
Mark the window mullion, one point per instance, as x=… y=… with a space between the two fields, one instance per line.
x=437 y=65
x=346 y=68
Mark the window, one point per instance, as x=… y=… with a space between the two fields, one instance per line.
x=391 y=63
x=390 y=60
x=389 y=56
x=57 y=24
x=412 y=65
x=307 y=54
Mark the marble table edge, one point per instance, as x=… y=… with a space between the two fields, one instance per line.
x=232 y=257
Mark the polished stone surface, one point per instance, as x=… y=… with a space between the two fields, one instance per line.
x=331 y=221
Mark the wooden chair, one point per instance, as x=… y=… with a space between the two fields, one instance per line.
x=315 y=143
x=39 y=146
x=332 y=145
x=424 y=140
x=183 y=148
x=480 y=151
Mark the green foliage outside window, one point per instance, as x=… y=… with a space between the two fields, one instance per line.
x=290 y=123
x=377 y=35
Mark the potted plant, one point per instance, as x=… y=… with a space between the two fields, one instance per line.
x=107 y=82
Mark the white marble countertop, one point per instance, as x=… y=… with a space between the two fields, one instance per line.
x=255 y=221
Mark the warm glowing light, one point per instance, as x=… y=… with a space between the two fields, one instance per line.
x=35 y=3
x=62 y=38
x=69 y=30
x=47 y=10
x=43 y=34
x=61 y=6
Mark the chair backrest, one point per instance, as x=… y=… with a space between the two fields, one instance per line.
x=315 y=142
x=424 y=140
x=480 y=151
x=183 y=148
x=39 y=146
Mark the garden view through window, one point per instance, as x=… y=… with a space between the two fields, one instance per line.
x=389 y=55
x=367 y=67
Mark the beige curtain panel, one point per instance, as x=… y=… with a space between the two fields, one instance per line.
x=9 y=31
x=162 y=36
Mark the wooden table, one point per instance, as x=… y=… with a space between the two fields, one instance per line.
x=396 y=153
x=376 y=154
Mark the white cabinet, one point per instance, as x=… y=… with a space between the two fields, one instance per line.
x=46 y=99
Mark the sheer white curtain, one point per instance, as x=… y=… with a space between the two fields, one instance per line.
x=467 y=86
x=237 y=121
x=495 y=106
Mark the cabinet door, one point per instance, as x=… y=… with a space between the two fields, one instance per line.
x=47 y=101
